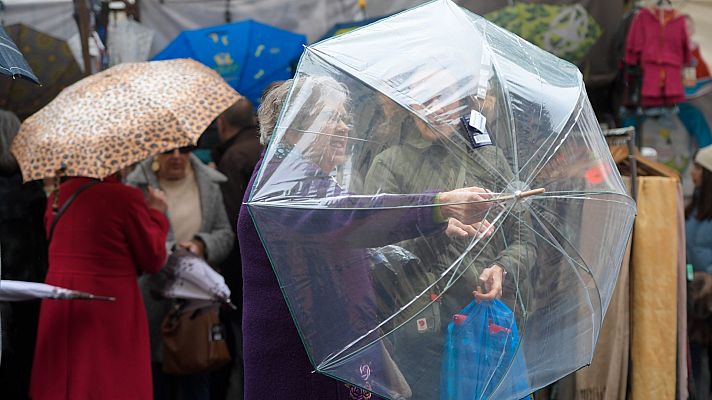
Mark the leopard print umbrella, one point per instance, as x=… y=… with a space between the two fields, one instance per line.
x=121 y=116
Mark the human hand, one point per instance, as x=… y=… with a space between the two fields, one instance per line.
x=469 y=206
x=456 y=229
x=492 y=278
x=156 y=199
x=194 y=246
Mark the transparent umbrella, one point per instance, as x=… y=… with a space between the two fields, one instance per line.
x=362 y=205
x=191 y=278
x=21 y=290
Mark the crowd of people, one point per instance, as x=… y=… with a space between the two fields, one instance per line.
x=118 y=232
x=115 y=238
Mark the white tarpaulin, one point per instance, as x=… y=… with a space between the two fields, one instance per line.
x=314 y=17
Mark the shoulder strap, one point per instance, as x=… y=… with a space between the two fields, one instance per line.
x=66 y=205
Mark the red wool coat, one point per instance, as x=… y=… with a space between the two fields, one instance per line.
x=97 y=349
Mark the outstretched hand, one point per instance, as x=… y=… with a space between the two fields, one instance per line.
x=456 y=229
x=492 y=278
x=466 y=204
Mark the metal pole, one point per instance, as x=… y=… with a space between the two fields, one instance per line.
x=83 y=16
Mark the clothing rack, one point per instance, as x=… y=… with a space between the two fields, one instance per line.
x=626 y=136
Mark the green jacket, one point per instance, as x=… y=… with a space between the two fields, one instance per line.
x=417 y=166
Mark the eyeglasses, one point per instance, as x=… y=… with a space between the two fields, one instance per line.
x=181 y=150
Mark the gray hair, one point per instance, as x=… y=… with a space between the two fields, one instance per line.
x=268 y=112
x=9 y=126
x=311 y=96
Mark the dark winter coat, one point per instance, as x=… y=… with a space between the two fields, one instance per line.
x=23 y=249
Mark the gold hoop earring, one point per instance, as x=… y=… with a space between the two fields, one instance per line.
x=155 y=166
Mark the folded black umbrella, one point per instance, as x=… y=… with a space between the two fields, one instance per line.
x=12 y=62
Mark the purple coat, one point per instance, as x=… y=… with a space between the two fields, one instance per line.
x=276 y=364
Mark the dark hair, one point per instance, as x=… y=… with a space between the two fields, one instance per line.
x=9 y=126
x=701 y=202
x=241 y=114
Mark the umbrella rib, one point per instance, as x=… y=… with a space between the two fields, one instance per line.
x=581 y=266
x=590 y=196
x=507 y=100
x=335 y=63
x=580 y=263
x=545 y=160
x=332 y=360
x=541 y=162
x=456 y=264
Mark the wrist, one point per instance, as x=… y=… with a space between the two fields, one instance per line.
x=438 y=215
x=501 y=268
x=200 y=243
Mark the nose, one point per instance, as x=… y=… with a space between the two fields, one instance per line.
x=342 y=128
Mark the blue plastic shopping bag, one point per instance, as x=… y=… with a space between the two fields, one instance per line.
x=482 y=354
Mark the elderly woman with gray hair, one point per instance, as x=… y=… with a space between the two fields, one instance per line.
x=312 y=144
x=23 y=249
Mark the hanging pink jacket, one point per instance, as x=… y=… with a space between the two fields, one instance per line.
x=658 y=42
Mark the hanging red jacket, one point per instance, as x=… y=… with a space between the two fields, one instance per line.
x=658 y=42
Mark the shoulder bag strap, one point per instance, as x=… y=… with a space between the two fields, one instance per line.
x=66 y=205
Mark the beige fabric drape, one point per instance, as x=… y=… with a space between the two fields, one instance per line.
x=654 y=277
x=607 y=376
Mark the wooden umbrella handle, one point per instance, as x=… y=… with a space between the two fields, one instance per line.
x=528 y=193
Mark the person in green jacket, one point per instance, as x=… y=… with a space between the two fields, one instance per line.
x=437 y=156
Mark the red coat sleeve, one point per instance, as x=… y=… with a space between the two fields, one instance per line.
x=146 y=230
x=634 y=41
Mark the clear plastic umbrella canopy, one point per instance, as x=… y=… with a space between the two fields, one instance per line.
x=354 y=205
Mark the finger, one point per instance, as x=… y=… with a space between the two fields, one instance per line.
x=454 y=231
x=469 y=230
x=477 y=293
x=489 y=230
x=489 y=296
x=483 y=228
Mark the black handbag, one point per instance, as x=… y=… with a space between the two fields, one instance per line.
x=400 y=277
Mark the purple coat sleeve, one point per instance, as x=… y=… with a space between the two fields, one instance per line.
x=354 y=220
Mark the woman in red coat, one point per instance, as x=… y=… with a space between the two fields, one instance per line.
x=98 y=349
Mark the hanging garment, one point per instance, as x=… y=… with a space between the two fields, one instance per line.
x=659 y=43
x=129 y=41
x=669 y=137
